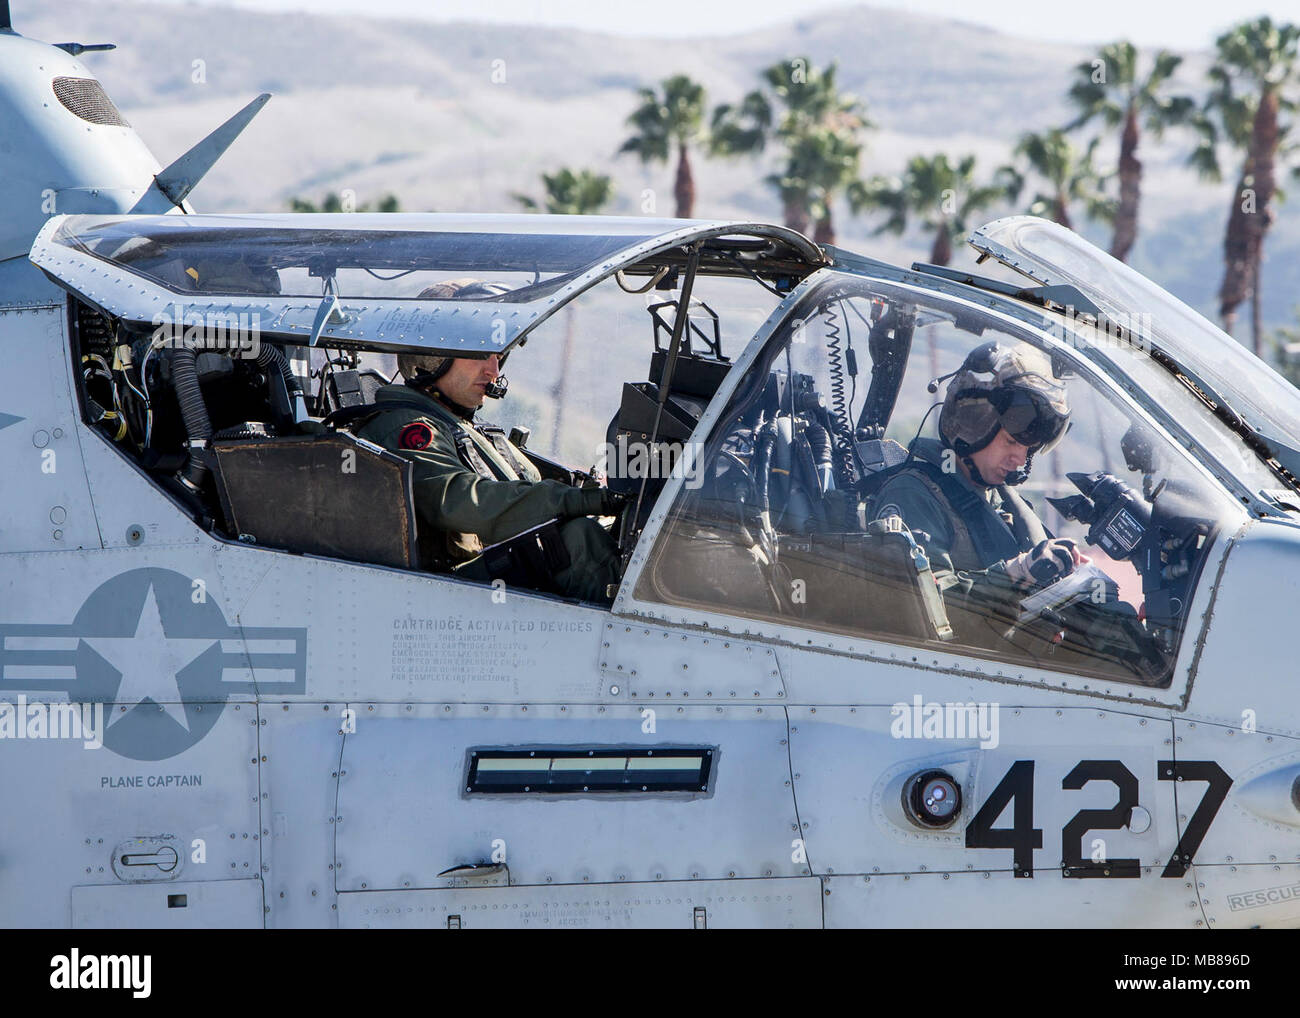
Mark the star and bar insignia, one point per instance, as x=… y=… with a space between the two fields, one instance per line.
x=141 y=641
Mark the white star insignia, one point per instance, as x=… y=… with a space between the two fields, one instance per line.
x=148 y=661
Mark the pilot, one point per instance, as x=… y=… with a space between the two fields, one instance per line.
x=474 y=488
x=1001 y=408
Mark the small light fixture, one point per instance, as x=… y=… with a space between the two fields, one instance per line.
x=932 y=799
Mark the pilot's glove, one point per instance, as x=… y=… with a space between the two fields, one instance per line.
x=1046 y=563
x=611 y=502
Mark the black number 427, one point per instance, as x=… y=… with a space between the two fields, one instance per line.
x=1017 y=789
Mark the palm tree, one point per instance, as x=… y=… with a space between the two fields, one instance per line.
x=942 y=196
x=583 y=193
x=1069 y=173
x=676 y=118
x=1255 y=62
x=820 y=129
x=1228 y=116
x=1109 y=89
x=333 y=203
x=829 y=160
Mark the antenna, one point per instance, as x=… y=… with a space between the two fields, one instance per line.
x=6 y=22
x=78 y=48
x=178 y=179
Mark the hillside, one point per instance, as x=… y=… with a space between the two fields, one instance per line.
x=413 y=108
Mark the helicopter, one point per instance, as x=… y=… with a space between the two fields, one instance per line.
x=230 y=696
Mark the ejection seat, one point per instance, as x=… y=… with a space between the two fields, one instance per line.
x=328 y=494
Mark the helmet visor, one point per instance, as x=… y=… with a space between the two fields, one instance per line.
x=1036 y=417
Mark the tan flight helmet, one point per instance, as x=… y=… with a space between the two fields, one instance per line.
x=1009 y=387
x=426 y=367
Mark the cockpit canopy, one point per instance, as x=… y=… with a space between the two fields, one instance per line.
x=1050 y=255
x=354 y=280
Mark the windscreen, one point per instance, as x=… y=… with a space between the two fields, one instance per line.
x=896 y=465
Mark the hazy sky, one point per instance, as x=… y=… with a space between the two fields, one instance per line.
x=1182 y=24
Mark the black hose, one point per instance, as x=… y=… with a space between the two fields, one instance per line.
x=267 y=356
x=194 y=412
x=762 y=464
x=819 y=442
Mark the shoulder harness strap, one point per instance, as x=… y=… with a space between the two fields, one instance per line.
x=972 y=516
x=497 y=436
x=1028 y=528
x=471 y=457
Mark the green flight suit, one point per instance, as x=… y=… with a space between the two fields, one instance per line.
x=968 y=551
x=967 y=546
x=470 y=490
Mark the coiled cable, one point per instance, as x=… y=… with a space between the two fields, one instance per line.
x=843 y=429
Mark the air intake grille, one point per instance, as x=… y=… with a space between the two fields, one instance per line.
x=87 y=99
